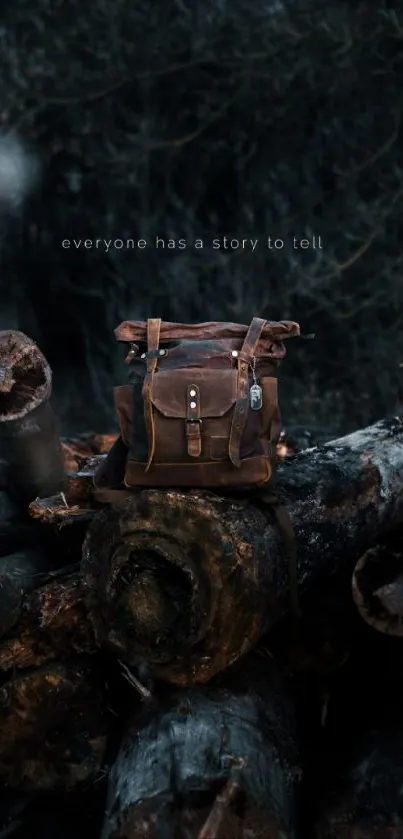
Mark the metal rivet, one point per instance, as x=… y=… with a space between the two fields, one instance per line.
x=143 y=355
x=193 y=404
x=192 y=392
x=234 y=353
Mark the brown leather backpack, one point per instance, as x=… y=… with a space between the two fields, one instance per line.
x=201 y=409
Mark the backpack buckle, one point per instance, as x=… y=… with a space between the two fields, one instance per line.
x=193 y=421
x=193 y=436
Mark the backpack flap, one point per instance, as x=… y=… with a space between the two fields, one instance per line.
x=202 y=402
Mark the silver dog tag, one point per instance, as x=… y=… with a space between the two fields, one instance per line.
x=255 y=397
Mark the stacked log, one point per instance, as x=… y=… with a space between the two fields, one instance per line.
x=166 y=571
x=52 y=711
x=215 y=762
x=174 y=591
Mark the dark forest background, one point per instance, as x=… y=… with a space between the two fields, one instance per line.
x=184 y=119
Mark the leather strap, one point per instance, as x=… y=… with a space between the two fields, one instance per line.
x=111 y=496
x=132 y=353
x=153 y=338
x=193 y=421
x=240 y=415
x=286 y=528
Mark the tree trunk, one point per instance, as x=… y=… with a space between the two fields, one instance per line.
x=189 y=581
x=218 y=761
x=30 y=452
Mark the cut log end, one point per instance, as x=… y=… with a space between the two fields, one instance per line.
x=25 y=376
x=156 y=598
x=159 y=594
x=378 y=588
x=53 y=733
x=157 y=568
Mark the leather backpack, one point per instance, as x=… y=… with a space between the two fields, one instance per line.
x=201 y=408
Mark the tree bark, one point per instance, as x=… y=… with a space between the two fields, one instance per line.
x=189 y=581
x=30 y=451
x=218 y=761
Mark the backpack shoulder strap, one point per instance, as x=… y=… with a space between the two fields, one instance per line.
x=153 y=339
x=245 y=358
x=111 y=496
x=286 y=528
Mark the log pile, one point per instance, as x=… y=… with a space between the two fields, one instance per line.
x=154 y=670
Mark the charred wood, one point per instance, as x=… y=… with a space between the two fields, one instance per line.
x=217 y=761
x=53 y=728
x=53 y=620
x=168 y=571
